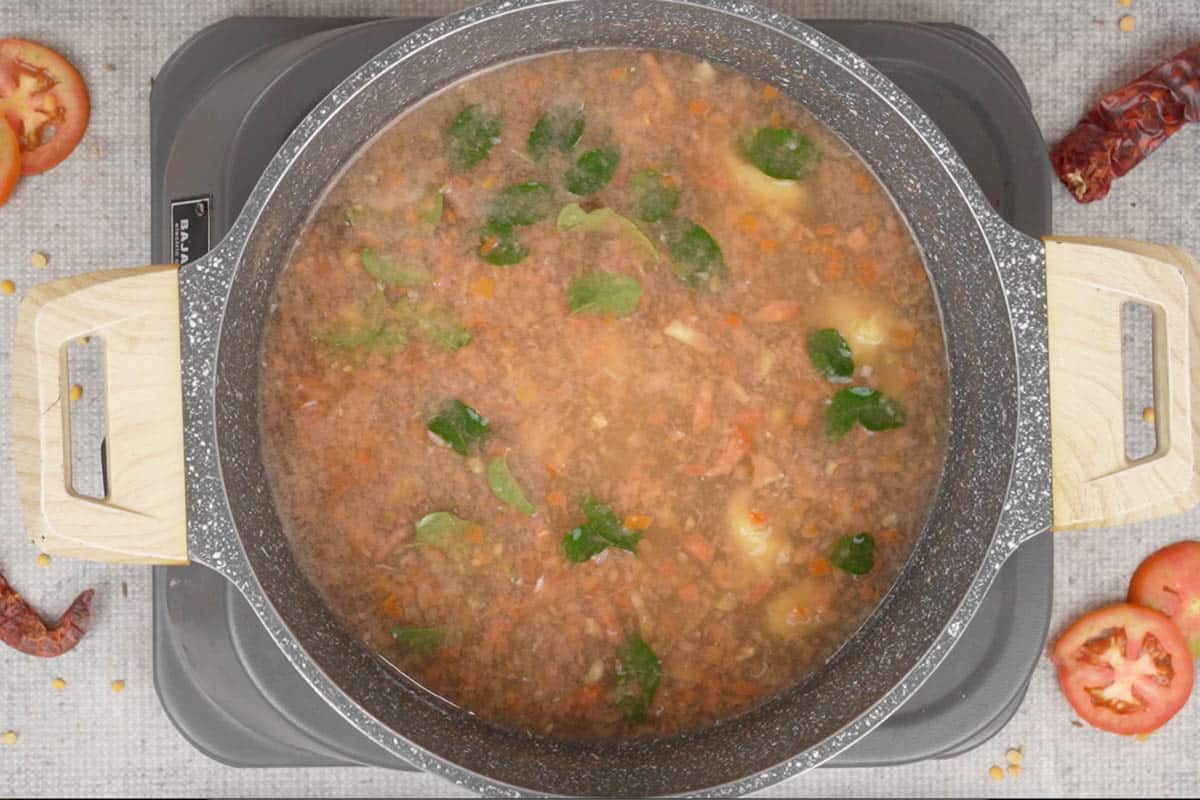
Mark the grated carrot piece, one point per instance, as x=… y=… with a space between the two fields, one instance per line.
x=904 y=335
x=863 y=182
x=733 y=320
x=362 y=456
x=618 y=73
x=699 y=107
x=638 y=522
x=484 y=287
x=688 y=593
x=391 y=607
x=770 y=93
x=826 y=230
x=818 y=568
x=868 y=272
x=889 y=536
x=834 y=269
x=747 y=223
x=757 y=518
x=698 y=547
x=474 y=534
x=809 y=531
x=556 y=499
x=767 y=246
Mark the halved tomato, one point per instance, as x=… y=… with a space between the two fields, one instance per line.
x=1125 y=669
x=1169 y=581
x=10 y=160
x=45 y=100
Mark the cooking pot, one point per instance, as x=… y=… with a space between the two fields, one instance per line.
x=1032 y=334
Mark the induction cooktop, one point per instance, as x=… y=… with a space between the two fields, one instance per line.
x=222 y=105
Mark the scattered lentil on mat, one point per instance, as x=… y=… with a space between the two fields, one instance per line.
x=1014 y=755
x=118 y=686
x=8 y=737
x=39 y=259
x=7 y=286
x=1148 y=415
x=1127 y=23
x=43 y=560
x=58 y=683
x=996 y=773
x=76 y=391
x=1014 y=770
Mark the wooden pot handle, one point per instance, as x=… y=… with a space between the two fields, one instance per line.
x=136 y=313
x=1087 y=281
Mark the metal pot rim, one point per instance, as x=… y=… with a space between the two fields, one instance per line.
x=205 y=286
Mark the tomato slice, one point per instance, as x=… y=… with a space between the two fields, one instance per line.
x=10 y=160
x=1125 y=669
x=1169 y=581
x=45 y=100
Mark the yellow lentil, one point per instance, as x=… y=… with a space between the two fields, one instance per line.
x=38 y=259
x=7 y=286
x=118 y=686
x=1126 y=3
x=76 y=391
x=996 y=773
x=58 y=683
x=43 y=560
x=1148 y=415
x=9 y=737
x=1014 y=770
x=1127 y=23
x=1014 y=755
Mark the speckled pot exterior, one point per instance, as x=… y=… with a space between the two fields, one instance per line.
x=994 y=492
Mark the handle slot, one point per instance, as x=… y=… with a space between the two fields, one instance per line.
x=87 y=417
x=1139 y=346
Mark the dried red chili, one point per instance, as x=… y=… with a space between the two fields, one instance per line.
x=1127 y=125
x=21 y=627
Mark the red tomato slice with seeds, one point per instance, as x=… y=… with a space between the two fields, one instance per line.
x=1124 y=669
x=1169 y=581
x=45 y=101
x=10 y=161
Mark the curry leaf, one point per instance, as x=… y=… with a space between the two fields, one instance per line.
x=854 y=554
x=434 y=324
x=521 y=204
x=638 y=674
x=459 y=426
x=601 y=531
x=471 y=136
x=592 y=171
x=603 y=293
x=393 y=273
x=696 y=257
x=654 y=195
x=348 y=338
x=499 y=245
x=442 y=529
x=873 y=410
x=830 y=355
x=505 y=486
x=430 y=209
x=558 y=129
x=781 y=153
x=421 y=641
x=572 y=218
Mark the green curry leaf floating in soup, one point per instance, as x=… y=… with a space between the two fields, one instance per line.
x=604 y=394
